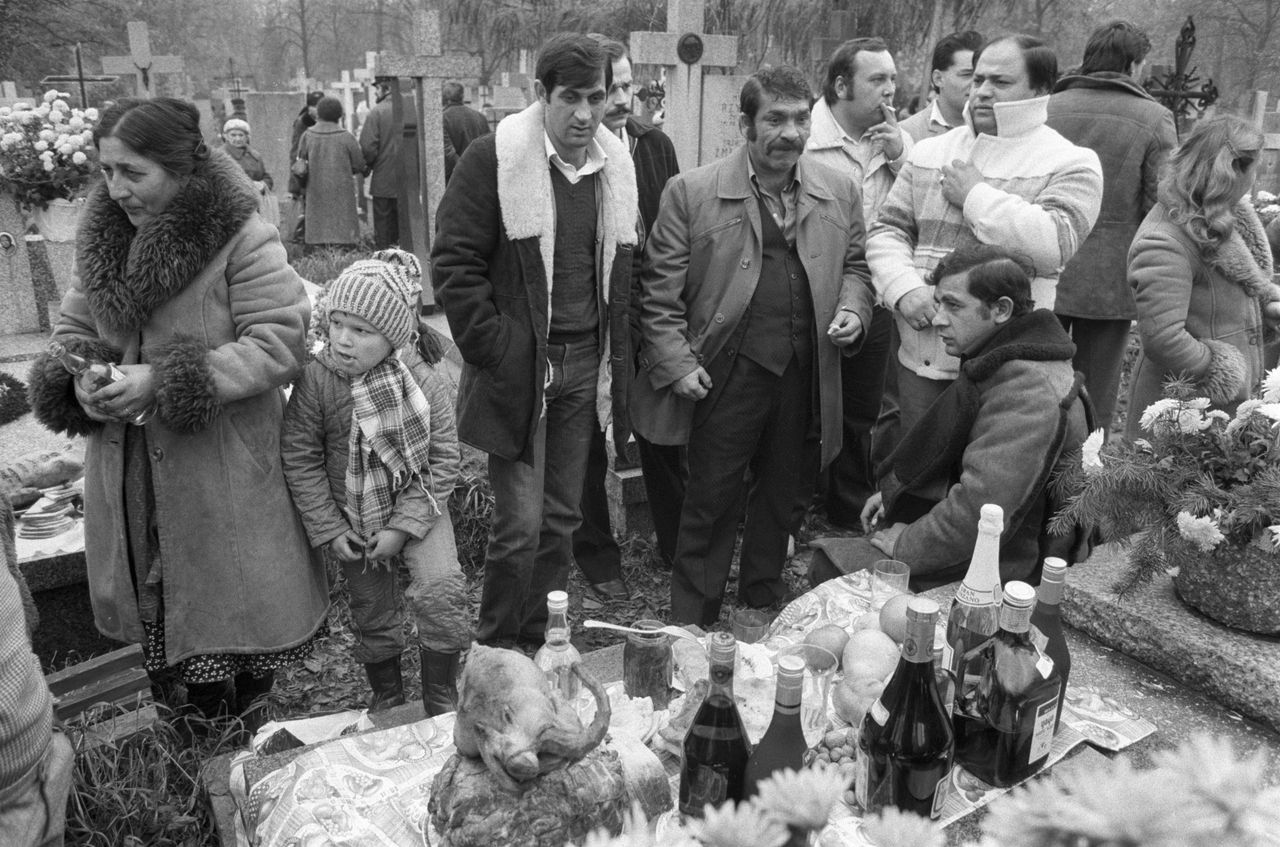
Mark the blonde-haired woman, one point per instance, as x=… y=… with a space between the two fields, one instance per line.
x=1200 y=267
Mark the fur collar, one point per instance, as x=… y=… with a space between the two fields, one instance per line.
x=1245 y=257
x=524 y=189
x=128 y=272
x=1036 y=337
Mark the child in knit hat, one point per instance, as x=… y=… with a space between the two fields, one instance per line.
x=370 y=452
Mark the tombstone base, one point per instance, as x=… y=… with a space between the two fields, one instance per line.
x=1239 y=670
x=628 y=502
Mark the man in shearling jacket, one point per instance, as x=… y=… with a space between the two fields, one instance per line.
x=1002 y=179
x=532 y=263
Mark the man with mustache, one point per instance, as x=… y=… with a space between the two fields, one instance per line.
x=1004 y=179
x=595 y=550
x=532 y=262
x=855 y=131
x=754 y=280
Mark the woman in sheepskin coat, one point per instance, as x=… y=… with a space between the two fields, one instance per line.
x=1200 y=267
x=194 y=549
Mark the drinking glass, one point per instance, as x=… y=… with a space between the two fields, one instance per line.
x=749 y=625
x=819 y=669
x=888 y=578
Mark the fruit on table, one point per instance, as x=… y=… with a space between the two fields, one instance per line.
x=830 y=637
x=893 y=617
x=839 y=747
x=870 y=653
x=853 y=696
x=867 y=620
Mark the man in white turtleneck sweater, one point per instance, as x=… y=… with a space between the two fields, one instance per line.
x=1004 y=179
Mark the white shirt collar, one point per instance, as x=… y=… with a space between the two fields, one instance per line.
x=596 y=159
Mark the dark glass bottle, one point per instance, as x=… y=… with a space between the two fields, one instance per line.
x=906 y=746
x=975 y=612
x=1009 y=720
x=716 y=749
x=783 y=744
x=102 y=374
x=1046 y=623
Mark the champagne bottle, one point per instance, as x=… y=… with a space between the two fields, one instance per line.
x=100 y=374
x=1011 y=721
x=715 y=750
x=783 y=744
x=1046 y=623
x=557 y=656
x=906 y=745
x=975 y=612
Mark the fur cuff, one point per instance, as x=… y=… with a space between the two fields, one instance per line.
x=1225 y=379
x=52 y=395
x=185 y=395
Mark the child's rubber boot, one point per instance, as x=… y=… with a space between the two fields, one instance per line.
x=387 y=684
x=439 y=681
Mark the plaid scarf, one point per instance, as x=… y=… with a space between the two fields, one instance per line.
x=390 y=437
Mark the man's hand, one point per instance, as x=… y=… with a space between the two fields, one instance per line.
x=694 y=385
x=887 y=539
x=958 y=179
x=845 y=329
x=348 y=547
x=917 y=307
x=386 y=544
x=886 y=134
x=873 y=513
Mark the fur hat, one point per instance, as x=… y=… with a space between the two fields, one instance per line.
x=381 y=292
x=235 y=123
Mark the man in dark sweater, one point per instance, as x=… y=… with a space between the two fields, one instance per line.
x=462 y=124
x=594 y=548
x=532 y=264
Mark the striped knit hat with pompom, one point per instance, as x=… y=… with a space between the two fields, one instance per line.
x=384 y=293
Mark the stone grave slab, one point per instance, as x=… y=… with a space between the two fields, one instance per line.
x=721 y=134
x=270 y=115
x=1240 y=670
x=19 y=311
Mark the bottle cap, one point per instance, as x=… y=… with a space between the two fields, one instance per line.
x=1054 y=570
x=721 y=646
x=919 y=608
x=1019 y=595
x=558 y=598
x=992 y=519
x=791 y=665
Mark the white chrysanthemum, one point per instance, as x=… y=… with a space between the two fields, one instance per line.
x=1265 y=197
x=1216 y=415
x=5 y=111
x=48 y=135
x=1202 y=532
x=1090 y=461
x=41 y=146
x=50 y=96
x=803 y=798
x=46 y=156
x=1271 y=386
x=87 y=135
x=741 y=825
x=1156 y=411
x=78 y=158
x=65 y=149
x=1274 y=532
x=57 y=116
x=48 y=165
x=61 y=104
x=76 y=123
x=1191 y=421
x=90 y=114
x=1271 y=410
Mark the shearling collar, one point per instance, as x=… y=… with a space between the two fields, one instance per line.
x=1245 y=257
x=1037 y=336
x=1104 y=81
x=128 y=272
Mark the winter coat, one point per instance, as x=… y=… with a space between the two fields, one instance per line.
x=462 y=125
x=333 y=156
x=1132 y=134
x=1039 y=196
x=654 y=156
x=1199 y=315
x=1026 y=418
x=702 y=264
x=492 y=266
x=314 y=450
x=380 y=140
x=203 y=294
x=250 y=161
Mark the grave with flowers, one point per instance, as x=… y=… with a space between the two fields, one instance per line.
x=47 y=163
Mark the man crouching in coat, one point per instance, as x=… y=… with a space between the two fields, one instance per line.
x=754 y=276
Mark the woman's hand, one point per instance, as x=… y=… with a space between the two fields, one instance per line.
x=125 y=399
x=386 y=544
x=84 y=385
x=348 y=547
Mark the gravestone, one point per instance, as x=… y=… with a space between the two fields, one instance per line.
x=140 y=63
x=210 y=124
x=421 y=187
x=270 y=115
x=346 y=87
x=697 y=130
x=19 y=311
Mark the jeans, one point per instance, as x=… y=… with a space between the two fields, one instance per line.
x=436 y=598
x=33 y=811
x=537 y=507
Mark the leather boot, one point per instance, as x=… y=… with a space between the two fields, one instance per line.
x=439 y=681
x=387 y=684
x=251 y=704
x=211 y=699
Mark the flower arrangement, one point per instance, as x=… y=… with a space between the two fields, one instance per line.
x=1203 y=479
x=1267 y=206
x=46 y=151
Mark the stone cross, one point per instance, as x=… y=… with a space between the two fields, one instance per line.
x=347 y=88
x=140 y=62
x=301 y=82
x=685 y=47
x=421 y=188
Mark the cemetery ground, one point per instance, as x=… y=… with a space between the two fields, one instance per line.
x=146 y=789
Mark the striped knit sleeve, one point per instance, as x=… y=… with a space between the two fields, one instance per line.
x=1049 y=229
x=892 y=239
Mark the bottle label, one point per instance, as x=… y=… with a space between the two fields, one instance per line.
x=948 y=656
x=967 y=595
x=1014 y=619
x=879 y=713
x=940 y=795
x=1042 y=735
x=1045 y=665
x=1038 y=639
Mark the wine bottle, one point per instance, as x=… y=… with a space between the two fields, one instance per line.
x=1010 y=720
x=100 y=374
x=975 y=611
x=557 y=656
x=783 y=744
x=906 y=745
x=715 y=749
x=1046 y=623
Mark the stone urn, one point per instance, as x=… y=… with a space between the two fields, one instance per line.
x=1236 y=586
x=57 y=222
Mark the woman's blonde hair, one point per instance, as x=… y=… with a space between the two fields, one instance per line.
x=1198 y=184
